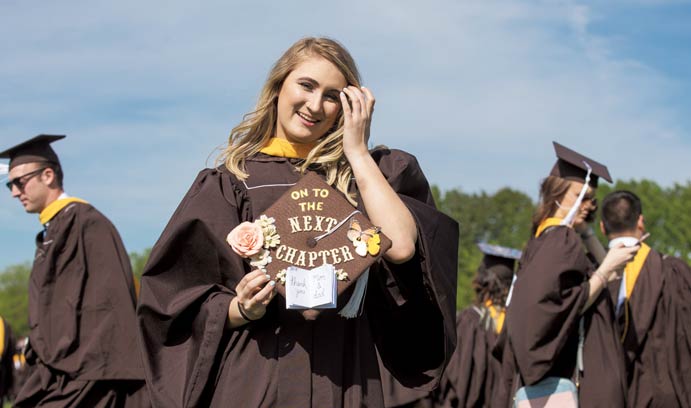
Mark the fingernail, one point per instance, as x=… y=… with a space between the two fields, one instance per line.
x=272 y=283
x=268 y=276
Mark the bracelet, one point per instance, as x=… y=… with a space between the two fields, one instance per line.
x=243 y=313
x=602 y=278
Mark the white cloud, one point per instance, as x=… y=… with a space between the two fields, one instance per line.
x=476 y=89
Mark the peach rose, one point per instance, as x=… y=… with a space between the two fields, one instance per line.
x=246 y=239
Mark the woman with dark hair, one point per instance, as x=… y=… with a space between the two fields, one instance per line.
x=473 y=375
x=560 y=315
x=214 y=332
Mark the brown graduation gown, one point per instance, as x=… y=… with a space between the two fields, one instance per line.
x=192 y=359
x=657 y=344
x=82 y=341
x=471 y=380
x=543 y=317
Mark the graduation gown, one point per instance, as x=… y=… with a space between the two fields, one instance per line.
x=543 y=317
x=82 y=341
x=473 y=375
x=7 y=350
x=656 y=332
x=192 y=358
x=399 y=396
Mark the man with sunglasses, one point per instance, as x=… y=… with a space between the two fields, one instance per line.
x=82 y=340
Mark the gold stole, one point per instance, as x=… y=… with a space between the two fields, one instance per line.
x=55 y=207
x=497 y=314
x=283 y=148
x=631 y=273
x=546 y=223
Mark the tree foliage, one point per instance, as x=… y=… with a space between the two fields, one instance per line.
x=502 y=218
x=14 y=299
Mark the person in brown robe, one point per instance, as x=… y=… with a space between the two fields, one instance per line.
x=557 y=288
x=82 y=342
x=473 y=374
x=214 y=332
x=7 y=350
x=653 y=301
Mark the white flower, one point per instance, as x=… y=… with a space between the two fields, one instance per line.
x=271 y=241
x=265 y=221
x=269 y=230
x=261 y=259
x=341 y=275
x=281 y=276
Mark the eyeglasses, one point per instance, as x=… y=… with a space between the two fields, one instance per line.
x=21 y=181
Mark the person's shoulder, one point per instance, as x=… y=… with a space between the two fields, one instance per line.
x=470 y=314
x=384 y=154
x=400 y=167
x=560 y=235
x=556 y=243
x=675 y=262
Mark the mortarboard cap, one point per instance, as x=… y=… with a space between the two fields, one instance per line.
x=571 y=165
x=498 y=255
x=36 y=149
x=317 y=225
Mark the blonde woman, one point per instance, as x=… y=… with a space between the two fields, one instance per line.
x=215 y=332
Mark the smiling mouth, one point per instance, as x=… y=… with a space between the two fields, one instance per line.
x=307 y=118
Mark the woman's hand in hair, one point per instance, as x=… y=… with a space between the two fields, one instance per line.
x=358 y=106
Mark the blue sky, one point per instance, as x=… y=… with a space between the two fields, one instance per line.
x=477 y=90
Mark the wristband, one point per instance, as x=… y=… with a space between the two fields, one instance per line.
x=243 y=313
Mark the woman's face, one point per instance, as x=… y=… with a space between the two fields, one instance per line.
x=308 y=102
x=569 y=199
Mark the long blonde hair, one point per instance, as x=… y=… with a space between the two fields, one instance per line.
x=257 y=127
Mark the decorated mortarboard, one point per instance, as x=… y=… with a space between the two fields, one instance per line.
x=36 y=149
x=315 y=246
x=572 y=165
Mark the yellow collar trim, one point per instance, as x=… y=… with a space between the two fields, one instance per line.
x=283 y=148
x=497 y=314
x=548 y=222
x=2 y=336
x=55 y=207
x=633 y=268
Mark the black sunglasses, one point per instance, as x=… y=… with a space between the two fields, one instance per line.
x=21 y=181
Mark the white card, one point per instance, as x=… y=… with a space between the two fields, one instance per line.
x=311 y=289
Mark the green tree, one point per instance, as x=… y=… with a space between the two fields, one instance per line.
x=501 y=218
x=14 y=297
x=138 y=261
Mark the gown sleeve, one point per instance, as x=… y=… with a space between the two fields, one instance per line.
x=412 y=308
x=186 y=291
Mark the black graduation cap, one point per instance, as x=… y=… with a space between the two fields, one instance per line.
x=572 y=165
x=496 y=255
x=36 y=149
